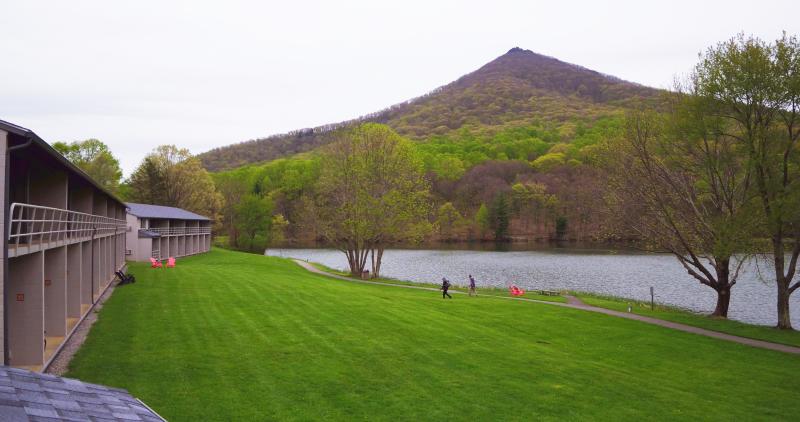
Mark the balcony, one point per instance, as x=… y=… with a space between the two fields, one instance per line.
x=34 y=228
x=179 y=231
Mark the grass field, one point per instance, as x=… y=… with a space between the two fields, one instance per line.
x=482 y=291
x=660 y=311
x=698 y=320
x=234 y=336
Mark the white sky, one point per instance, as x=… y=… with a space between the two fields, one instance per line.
x=202 y=74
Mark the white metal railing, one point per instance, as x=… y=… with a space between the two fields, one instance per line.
x=39 y=225
x=179 y=231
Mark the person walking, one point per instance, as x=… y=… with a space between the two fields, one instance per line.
x=472 y=290
x=445 y=287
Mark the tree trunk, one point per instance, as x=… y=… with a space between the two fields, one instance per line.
x=375 y=264
x=362 y=263
x=723 y=287
x=355 y=260
x=376 y=261
x=351 y=262
x=232 y=240
x=723 y=301
x=784 y=316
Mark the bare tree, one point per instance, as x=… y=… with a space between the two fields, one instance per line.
x=755 y=88
x=681 y=187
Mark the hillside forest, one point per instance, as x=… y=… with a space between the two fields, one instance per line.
x=524 y=183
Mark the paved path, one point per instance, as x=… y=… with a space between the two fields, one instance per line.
x=575 y=303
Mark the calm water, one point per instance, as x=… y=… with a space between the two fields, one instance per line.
x=616 y=273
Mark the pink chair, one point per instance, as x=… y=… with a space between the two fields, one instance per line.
x=171 y=262
x=154 y=263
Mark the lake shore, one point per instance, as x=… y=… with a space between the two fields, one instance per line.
x=614 y=273
x=659 y=311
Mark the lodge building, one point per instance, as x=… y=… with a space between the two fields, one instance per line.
x=159 y=232
x=63 y=239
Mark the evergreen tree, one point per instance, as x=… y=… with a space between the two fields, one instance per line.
x=482 y=219
x=499 y=216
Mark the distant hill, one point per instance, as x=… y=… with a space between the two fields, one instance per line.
x=513 y=89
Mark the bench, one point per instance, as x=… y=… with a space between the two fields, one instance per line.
x=548 y=293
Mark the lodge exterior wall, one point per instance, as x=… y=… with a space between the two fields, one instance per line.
x=63 y=239
x=176 y=238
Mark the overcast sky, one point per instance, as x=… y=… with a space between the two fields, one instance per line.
x=202 y=74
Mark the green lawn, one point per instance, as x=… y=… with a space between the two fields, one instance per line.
x=234 y=336
x=660 y=311
x=481 y=291
x=668 y=313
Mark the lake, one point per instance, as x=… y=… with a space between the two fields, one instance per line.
x=609 y=272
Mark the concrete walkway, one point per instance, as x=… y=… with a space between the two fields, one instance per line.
x=575 y=303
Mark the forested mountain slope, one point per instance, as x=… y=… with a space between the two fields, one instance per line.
x=516 y=89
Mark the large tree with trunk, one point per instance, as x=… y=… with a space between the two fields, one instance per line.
x=171 y=176
x=253 y=220
x=681 y=186
x=232 y=187
x=371 y=193
x=93 y=157
x=754 y=87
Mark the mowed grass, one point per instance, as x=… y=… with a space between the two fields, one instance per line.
x=759 y=332
x=660 y=311
x=234 y=336
x=480 y=291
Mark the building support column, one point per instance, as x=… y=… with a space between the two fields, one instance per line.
x=55 y=299
x=25 y=305
x=74 y=280
x=95 y=257
x=3 y=245
x=86 y=276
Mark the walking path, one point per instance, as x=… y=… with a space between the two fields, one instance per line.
x=575 y=303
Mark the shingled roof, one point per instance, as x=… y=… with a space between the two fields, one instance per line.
x=31 y=396
x=160 y=211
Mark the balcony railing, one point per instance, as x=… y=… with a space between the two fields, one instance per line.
x=179 y=231
x=35 y=227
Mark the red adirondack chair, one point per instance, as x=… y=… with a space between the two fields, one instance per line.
x=171 y=262
x=516 y=291
x=154 y=263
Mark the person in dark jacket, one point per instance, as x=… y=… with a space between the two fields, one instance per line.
x=445 y=287
x=472 y=290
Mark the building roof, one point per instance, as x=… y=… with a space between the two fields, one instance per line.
x=31 y=396
x=160 y=211
x=34 y=138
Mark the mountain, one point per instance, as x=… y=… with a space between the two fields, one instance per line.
x=516 y=88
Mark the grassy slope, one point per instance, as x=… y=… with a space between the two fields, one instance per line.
x=482 y=291
x=621 y=304
x=698 y=320
x=233 y=336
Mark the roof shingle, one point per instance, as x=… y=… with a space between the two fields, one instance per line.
x=160 y=211
x=30 y=396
